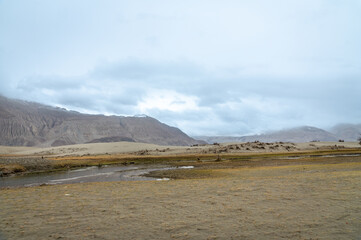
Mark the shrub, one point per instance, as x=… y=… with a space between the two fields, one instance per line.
x=11 y=169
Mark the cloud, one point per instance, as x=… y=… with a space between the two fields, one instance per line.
x=196 y=101
x=168 y=100
x=136 y=69
x=208 y=67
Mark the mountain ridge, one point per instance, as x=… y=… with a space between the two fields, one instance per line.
x=24 y=123
x=345 y=132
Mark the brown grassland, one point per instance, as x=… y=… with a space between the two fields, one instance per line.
x=302 y=195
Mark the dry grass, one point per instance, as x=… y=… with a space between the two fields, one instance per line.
x=225 y=160
x=186 y=174
x=11 y=169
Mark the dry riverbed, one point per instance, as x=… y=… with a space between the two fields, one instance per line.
x=256 y=198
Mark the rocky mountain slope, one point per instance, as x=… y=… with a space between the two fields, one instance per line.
x=347 y=132
x=31 y=124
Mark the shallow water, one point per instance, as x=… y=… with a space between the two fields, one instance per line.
x=330 y=156
x=89 y=174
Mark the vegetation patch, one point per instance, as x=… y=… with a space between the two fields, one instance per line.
x=22 y=165
x=11 y=169
x=186 y=174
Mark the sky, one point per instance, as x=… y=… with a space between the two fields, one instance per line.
x=208 y=67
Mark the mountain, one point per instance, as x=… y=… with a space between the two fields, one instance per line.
x=25 y=123
x=299 y=134
x=219 y=139
x=348 y=132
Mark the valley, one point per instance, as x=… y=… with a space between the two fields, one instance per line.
x=305 y=194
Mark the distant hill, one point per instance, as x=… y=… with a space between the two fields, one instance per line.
x=347 y=132
x=25 y=123
x=299 y=134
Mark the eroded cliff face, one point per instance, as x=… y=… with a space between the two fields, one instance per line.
x=31 y=124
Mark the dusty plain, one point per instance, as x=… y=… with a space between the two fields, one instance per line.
x=293 y=191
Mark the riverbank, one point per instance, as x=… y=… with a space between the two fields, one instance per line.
x=22 y=160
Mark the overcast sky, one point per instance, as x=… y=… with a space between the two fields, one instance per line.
x=208 y=67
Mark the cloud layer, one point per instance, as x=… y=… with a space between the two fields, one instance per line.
x=208 y=67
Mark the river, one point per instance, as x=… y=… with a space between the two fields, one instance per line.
x=88 y=174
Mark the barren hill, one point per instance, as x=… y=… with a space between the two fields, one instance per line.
x=299 y=134
x=25 y=123
x=347 y=132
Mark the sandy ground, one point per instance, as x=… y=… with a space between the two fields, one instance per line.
x=317 y=201
x=139 y=148
x=84 y=149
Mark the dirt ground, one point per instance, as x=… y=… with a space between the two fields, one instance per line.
x=295 y=201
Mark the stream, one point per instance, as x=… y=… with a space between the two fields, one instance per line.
x=88 y=174
x=323 y=156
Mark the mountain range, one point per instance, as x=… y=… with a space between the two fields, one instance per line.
x=345 y=132
x=24 y=123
